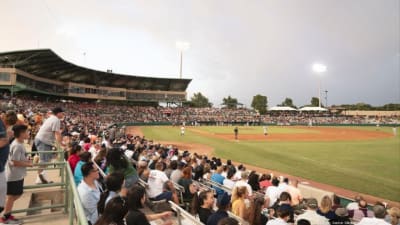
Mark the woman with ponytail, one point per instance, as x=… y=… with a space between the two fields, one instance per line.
x=203 y=204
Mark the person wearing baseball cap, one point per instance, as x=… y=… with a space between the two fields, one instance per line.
x=223 y=204
x=48 y=136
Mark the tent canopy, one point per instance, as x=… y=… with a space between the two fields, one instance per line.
x=282 y=108
x=312 y=108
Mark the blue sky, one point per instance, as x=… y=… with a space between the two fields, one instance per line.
x=237 y=48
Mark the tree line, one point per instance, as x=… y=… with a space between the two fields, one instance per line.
x=260 y=103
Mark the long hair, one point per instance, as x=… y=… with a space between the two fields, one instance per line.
x=114 y=183
x=253 y=181
x=198 y=201
x=326 y=204
x=135 y=195
x=187 y=172
x=255 y=211
x=75 y=149
x=239 y=192
x=114 y=213
x=116 y=159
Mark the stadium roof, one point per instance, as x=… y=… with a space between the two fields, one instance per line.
x=282 y=108
x=47 y=64
x=312 y=108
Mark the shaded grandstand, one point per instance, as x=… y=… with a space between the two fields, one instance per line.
x=44 y=72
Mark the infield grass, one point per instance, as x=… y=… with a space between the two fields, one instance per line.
x=371 y=166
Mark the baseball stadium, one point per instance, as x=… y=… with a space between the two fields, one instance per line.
x=142 y=123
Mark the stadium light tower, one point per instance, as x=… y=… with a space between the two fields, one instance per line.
x=319 y=69
x=182 y=46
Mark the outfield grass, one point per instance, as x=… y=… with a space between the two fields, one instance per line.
x=371 y=167
x=256 y=130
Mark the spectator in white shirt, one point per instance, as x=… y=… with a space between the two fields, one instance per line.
x=354 y=205
x=228 y=182
x=311 y=213
x=243 y=182
x=283 y=184
x=379 y=219
x=89 y=191
x=272 y=193
x=159 y=185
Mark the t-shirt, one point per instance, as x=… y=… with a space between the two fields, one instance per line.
x=17 y=153
x=156 y=182
x=273 y=194
x=229 y=183
x=136 y=217
x=186 y=184
x=176 y=175
x=204 y=213
x=295 y=194
x=216 y=217
x=46 y=131
x=4 y=151
x=216 y=177
x=237 y=205
x=73 y=160
x=128 y=171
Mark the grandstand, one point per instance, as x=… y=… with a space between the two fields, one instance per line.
x=43 y=71
x=45 y=74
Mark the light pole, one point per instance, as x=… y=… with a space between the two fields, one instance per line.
x=326 y=98
x=182 y=46
x=319 y=68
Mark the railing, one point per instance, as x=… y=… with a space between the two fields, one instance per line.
x=240 y=220
x=71 y=202
x=100 y=170
x=214 y=184
x=74 y=200
x=181 y=213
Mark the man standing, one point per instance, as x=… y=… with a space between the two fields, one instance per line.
x=49 y=135
x=182 y=130
x=236 y=130
x=265 y=129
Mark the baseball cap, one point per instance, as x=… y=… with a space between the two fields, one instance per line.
x=223 y=199
x=57 y=110
x=312 y=203
x=341 y=212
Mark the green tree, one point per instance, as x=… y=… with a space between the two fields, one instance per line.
x=315 y=101
x=259 y=103
x=229 y=102
x=198 y=100
x=288 y=102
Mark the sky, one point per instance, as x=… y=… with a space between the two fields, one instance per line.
x=237 y=47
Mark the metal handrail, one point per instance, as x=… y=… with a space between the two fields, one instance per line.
x=217 y=185
x=239 y=219
x=181 y=212
x=100 y=170
x=74 y=200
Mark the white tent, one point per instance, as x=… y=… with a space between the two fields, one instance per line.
x=312 y=108
x=282 y=108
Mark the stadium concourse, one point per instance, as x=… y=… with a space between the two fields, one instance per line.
x=135 y=171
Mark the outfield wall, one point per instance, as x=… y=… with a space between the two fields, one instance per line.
x=250 y=124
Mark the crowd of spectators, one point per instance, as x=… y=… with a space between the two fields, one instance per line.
x=97 y=115
x=92 y=143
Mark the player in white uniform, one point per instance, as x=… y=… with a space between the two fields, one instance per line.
x=265 y=129
x=182 y=131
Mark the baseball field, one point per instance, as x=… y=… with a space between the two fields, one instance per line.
x=361 y=159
